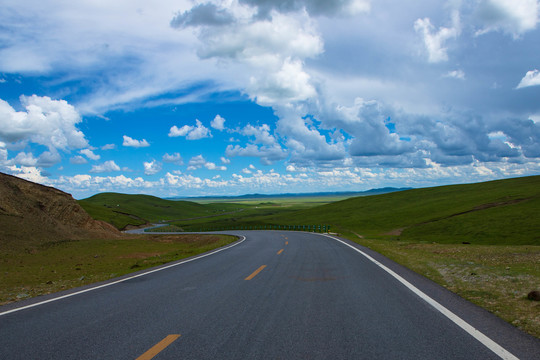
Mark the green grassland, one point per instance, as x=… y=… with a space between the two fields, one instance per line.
x=123 y=210
x=61 y=265
x=502 y=212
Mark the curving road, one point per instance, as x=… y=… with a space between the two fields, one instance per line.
x=275 y=295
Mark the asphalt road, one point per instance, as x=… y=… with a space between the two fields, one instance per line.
x=276 y=295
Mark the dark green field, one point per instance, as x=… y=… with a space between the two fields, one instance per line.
x=504 y=212
x=123 y=210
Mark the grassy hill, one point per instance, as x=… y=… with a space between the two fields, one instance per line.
x=123 y=210
x=496 y=212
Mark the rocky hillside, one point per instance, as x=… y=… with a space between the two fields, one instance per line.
x=31 y=214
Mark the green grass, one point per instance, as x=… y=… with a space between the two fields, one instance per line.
x=56 y=266
x=122 y=210
x=497 y=212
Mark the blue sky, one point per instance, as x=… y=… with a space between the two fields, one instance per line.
x=188 y=98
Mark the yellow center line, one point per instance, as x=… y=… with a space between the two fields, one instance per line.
x=255 y=272
x=156 y=349
x=280 y=251
x=286 y=243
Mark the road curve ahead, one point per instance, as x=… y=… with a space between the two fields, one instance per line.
x=276 y=295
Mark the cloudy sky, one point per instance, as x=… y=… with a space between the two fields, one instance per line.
x=186 y=98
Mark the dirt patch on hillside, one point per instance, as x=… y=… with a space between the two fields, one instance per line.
x=31 y=214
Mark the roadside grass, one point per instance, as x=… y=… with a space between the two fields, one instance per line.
x=495 y=277
x=56 y=266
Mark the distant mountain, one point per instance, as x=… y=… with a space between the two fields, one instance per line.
x=313 y=194
x=31 y=214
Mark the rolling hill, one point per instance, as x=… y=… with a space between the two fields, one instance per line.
x=31 y=214
x=126 y=211
x=496 y=212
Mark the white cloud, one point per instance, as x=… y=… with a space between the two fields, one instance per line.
x=199 y=131
x=290 y=168
x=199 y=161
x=25 y=159
x=47 y=122
x=174 y=159
x=107 y=166
x=108 y=147
x=152 y=167
x=511 y=16
x=224 y=160
x=78 y=159
x=268 y=52
x=129 y=142
x=434 y=41
x=29 y=173
x=46 y=159
x=531 y=78
x=456 y=74
x=90 y=154
x=212 y=166
x=218 y=123
x=289 y=84
x=267 y=154
x=260 y=133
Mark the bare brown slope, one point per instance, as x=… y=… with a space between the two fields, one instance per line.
x=31 y=214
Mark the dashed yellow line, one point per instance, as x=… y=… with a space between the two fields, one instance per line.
x=255 y=273
x=280 y=251
x=156 y=349
x=286 y=243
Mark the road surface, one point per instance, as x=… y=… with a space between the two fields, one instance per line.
x=274 y=295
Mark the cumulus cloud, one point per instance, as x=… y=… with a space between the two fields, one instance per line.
x=78 y=159
x=108 y=147
x=151 y=167
x=367 y=122
x=434 y=41
x=225 y=161
x=199 y=161
x=47 y=122
x=531 y=78
x=304 y=141
x=107 y=166
x=267 y=154
x=218 y=123
x=289 y=84
x=260 y=133
x=174 y=159
x=129 y=142
x=30 y=173
x=514 y=17
x=270 y=52
x=455 y=74
x=199 y=131
x=90 y=154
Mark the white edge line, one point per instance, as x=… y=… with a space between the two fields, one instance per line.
x=486 y=341
x=121 y=280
